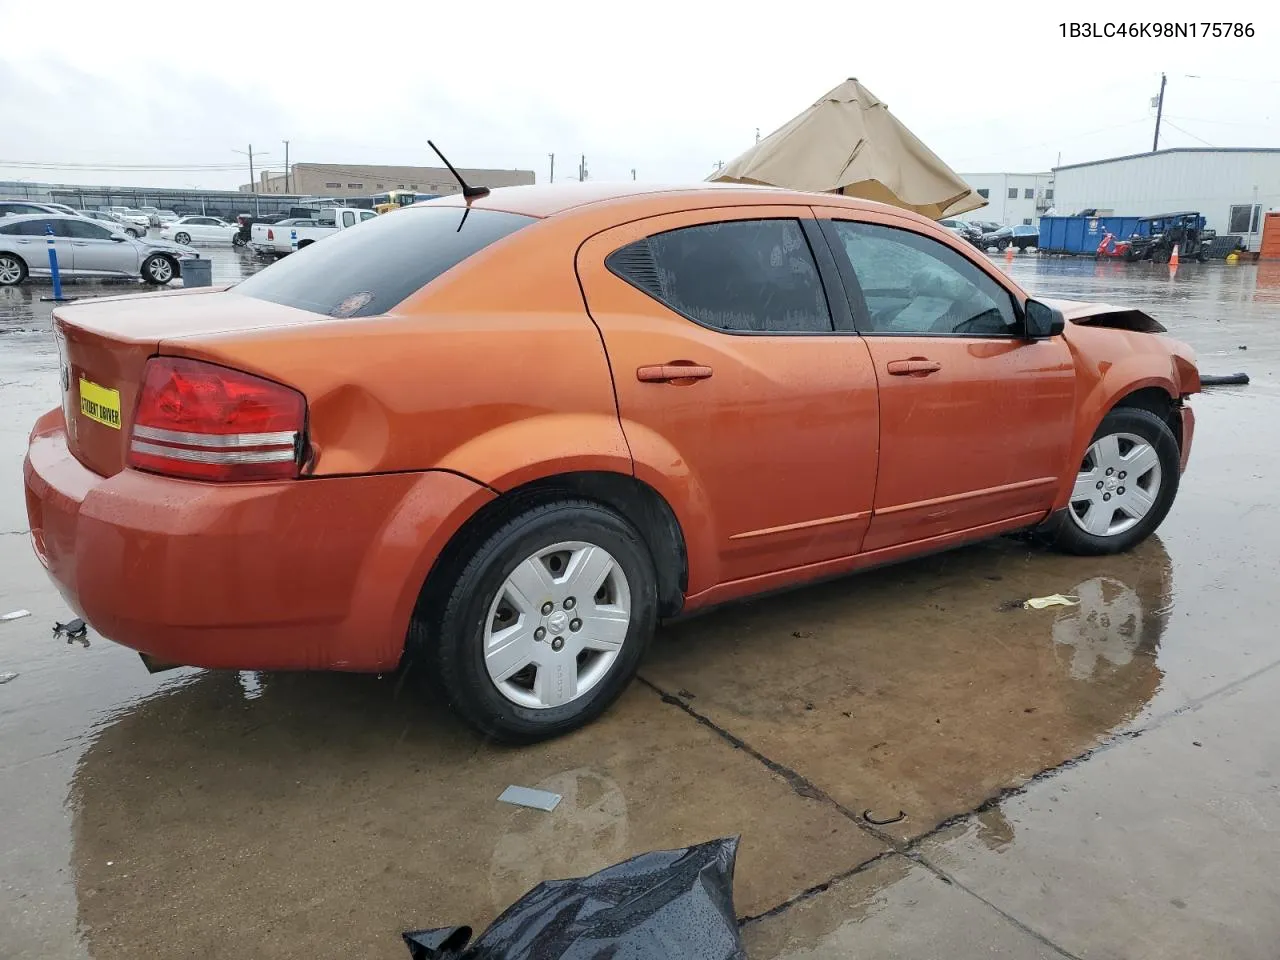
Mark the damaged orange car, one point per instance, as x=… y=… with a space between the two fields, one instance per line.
x=505 y=435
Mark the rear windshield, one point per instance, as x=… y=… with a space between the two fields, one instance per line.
x=369 y=268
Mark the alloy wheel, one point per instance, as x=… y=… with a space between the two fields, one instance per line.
x=1118 y=484
x=10 y=270
x=557 y=624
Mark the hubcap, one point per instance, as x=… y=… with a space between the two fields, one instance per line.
x=557 y=624
x=1118 y=484
x=161 y=270
x=10 y=272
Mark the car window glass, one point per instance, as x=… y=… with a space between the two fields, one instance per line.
x=63 y=228
x=86 y=230
x=29 y=228
x=740 y=276
x=360 y=273
x=348 y=218
x=367 y=214
x=914 y=284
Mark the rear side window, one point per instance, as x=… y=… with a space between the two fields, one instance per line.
x=24 y=228
x=361 y=273
x=740 y=276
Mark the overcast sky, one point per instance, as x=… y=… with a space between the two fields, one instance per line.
x=667 y=88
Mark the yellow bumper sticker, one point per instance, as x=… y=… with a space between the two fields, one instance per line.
x=100 y=403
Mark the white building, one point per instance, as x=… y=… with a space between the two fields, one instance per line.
x=1231 y=188
x=1012 y=198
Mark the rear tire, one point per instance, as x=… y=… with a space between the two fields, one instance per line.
x=13 y=270
x=182 y=237
x=511 y=586
x=158 y=269
x=1125 y=486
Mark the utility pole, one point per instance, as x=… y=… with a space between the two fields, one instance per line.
x=633 y=173
x=553 y=167
x=253 y=187
x=1155 y=144
x=286 y=165
x=582 y=168
x=757 y=134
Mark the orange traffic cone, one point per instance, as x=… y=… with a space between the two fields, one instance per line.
x=1008 y=252
x=1173 y=257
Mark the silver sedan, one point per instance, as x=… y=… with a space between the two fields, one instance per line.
x=86 y=248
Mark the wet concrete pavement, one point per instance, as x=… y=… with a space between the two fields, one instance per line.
x=1100 y=781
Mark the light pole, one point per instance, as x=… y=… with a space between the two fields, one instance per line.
x=286 y=165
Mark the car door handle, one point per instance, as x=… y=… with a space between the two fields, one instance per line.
x=674 y=372
x=916 y=366
x=80 y=243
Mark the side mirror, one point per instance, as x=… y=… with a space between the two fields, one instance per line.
x=1043 y=321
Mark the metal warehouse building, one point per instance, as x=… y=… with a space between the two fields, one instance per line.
x=1231 y=188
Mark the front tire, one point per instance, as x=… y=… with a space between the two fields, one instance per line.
x=545 y=624
x=13 y=270
x=182 y=237
x=158 y=269
x=1124 y=487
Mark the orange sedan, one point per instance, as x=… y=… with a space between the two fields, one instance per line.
x=506 y=435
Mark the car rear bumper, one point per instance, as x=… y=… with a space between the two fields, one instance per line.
x=304 y=574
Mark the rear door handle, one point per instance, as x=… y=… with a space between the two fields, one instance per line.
x=672 y=372
x=916 y=366
x=80 y=243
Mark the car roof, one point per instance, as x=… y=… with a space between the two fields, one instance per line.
x=19 y=217
x=548 y=200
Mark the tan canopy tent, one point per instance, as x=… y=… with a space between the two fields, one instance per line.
x=849 y=143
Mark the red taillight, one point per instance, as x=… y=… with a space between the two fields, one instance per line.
x=271 y=234
x=204 y=422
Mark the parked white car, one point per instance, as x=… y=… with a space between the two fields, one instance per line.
x=139 y=218
x=85 y=248
x=278 y=238
x=199 y=230
x=113 y=221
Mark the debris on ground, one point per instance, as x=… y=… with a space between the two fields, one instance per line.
x=1053 y=600
x=866 y=815
x=16 y=615
x=1224 y=380
x=528 y=797
x=657 y=906
x=7 y=676
x=73 y=630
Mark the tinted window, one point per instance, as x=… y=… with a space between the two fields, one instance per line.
x=913 y=284
x=86 y=230
x=360 y=273
x=348 y=218
x=26 y=228
x=18 y=209
x=740 y=276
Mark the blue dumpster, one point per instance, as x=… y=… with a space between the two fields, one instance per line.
x=1082 y=235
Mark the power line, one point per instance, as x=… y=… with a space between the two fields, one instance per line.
x=1187 y=132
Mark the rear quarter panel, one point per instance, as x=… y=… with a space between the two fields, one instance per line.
x=493 y=371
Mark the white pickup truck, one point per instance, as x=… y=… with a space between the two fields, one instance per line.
x=279 y=239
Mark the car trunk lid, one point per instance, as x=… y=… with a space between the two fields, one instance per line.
x=103 y=347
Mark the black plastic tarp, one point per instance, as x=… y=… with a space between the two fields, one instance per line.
x=657 y=906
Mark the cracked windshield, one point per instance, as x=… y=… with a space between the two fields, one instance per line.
x=666 y=482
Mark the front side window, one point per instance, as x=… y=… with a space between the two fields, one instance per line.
x=348 y=218
x=86 y=230
x=739 y=276
x=913 y=284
